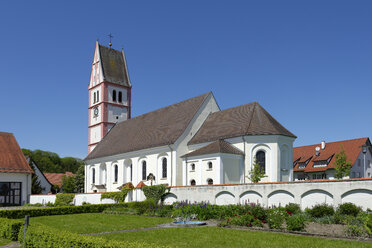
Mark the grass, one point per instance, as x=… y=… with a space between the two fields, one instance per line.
x=95 y=223
x=222 y=237
x=4 y=241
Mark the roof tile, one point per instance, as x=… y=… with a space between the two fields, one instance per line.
x=219 y=146
x=11 y=156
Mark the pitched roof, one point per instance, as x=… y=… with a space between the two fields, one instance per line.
x=56 y=178
x=249 y=119
x=11 y=156
x=114 y=66
x=352 y=149
x=157 y=128
x=140 y=185
x=219 y=146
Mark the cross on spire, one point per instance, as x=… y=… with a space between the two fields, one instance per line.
x=110 y=35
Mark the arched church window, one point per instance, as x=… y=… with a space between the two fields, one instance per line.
x=93 y=176
x=94 y=97
x=261 y=160
x=210 y=165
x=114 y=95
x=192 y=182
x=164 y=167
x=210 y=181
x=116 y=173
x=144 y=170
x=192 y=167
x=120 y=96
x=97 y=95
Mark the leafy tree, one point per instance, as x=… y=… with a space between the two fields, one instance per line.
x=79 y=179
x=343 y=167
x=51 y=162
x=68 y=184
x=256 y=173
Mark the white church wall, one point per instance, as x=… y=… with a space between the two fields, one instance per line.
x=181 y=147
x=280 y=198
x=152 y=157
x=232 y=170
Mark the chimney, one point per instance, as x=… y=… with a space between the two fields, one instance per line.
x=323 y=145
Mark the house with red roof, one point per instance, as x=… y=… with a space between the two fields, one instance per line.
x=318 y=162
x=15 y=173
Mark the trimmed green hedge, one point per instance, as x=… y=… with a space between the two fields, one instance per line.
x=43 y=236
x=9 y=229
x=33 y=212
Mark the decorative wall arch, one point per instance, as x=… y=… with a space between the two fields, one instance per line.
x=279 y=198
x=128 y=170
x=314 y=197
x=360 y=197
x=170 y=199
x=250 y=197
x=225 y=198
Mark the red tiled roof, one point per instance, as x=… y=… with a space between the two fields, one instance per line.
x=11 y=157
x=56 y=178
x=352 y=149
x=140 y=185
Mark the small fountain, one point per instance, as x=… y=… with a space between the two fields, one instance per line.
x=187 y=221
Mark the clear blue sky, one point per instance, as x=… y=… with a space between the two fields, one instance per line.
x=309 y=63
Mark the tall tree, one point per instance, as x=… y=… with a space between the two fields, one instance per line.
x=79 y=179
x=68 y=184
x=343 y=167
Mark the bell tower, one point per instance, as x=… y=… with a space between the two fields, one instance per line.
x=109 y=93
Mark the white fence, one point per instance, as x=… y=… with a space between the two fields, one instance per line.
x=305 y=193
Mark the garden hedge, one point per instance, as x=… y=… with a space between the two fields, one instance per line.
x=43 y=236
x=34 y=212
x=9 y=229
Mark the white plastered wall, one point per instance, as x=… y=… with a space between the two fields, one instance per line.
x=23 y=178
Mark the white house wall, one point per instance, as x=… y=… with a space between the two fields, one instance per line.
x=24 y=178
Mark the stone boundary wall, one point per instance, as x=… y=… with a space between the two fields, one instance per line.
x=305 y=193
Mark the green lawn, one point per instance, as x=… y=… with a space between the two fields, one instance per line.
x=93 y=223
x=221 y=237
x=4 y=241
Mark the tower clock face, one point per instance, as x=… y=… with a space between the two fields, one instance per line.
x=95 y=111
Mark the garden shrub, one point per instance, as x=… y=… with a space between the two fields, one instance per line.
x=293 y=208
x=321 y=210
x=258 y=211
x=43 y=236
x=33 y=212
x=296 y=222
x=369 y=224
x=348 y=208
x=276 y=217
x=64 y=200
x=9 y=229
x=156 y=192
x=357 y=226
x=119 y=196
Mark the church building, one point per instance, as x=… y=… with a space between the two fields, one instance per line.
x=192 y=142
